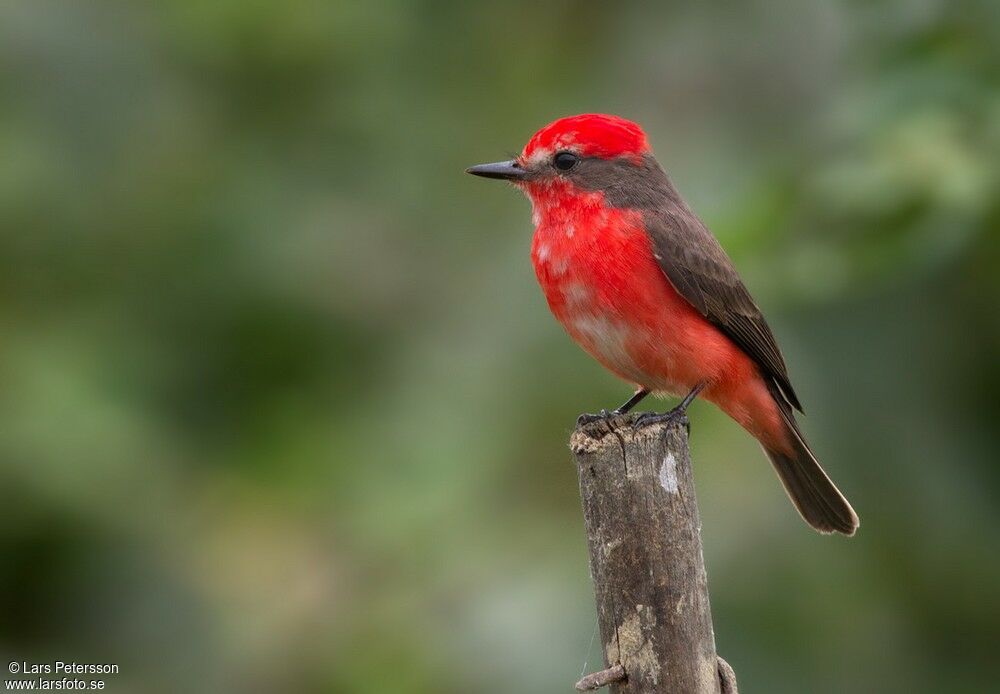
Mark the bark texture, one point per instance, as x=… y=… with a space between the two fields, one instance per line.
x=646 y=557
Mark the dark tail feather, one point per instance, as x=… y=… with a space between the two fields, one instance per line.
x=815 y=496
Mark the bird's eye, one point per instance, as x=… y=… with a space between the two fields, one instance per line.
x=564 y=161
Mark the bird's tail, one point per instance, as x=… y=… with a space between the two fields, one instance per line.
x=814 y=494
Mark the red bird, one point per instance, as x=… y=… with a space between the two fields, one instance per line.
x=645 y=288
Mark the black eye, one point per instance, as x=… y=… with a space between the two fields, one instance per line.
x=564 y=161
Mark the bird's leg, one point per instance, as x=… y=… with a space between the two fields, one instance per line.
x=621 y=409
x=688 y=399
x=679 y=413
x=632 y=401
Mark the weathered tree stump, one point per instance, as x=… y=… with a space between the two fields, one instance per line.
x=646 y=560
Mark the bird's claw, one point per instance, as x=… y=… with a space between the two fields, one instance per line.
x=587 y=418
x=676 y=415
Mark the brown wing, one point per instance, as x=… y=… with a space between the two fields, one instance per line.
x=698 y=267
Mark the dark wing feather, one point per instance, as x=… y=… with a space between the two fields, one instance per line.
x=698 y=267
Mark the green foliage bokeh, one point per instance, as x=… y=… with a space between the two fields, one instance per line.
x=282 y=409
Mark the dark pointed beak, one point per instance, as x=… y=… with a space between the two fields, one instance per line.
x=506 y=170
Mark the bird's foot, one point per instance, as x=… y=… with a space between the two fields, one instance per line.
x=678 y=415
x=587 y=418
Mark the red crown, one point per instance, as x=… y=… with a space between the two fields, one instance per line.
x=590 y=135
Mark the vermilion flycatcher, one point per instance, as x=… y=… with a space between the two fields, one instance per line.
x=645 y=288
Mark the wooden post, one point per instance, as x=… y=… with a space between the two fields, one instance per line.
x=646 y=560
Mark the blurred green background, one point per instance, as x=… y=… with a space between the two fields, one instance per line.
x=282 y=408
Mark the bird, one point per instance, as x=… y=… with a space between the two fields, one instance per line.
x=643 y=286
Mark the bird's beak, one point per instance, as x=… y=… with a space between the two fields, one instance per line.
x=506 y=170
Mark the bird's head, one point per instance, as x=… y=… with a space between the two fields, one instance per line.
x=581 y=155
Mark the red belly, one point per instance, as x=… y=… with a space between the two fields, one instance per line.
x=596 y=267
x=606 y=288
